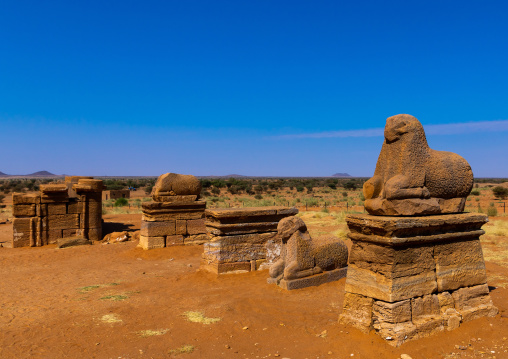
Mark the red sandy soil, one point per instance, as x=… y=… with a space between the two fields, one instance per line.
x=46 y=311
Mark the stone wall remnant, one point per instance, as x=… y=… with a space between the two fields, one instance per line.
x=176 y=214
x=242 y=239
x=59 y=210
x=305 y=261
x=115 y=194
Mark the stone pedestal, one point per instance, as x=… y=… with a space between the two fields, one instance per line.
x=409 y=277
x=178 y=222
x=241 y=239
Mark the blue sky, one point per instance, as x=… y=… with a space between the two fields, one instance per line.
x=276 y=88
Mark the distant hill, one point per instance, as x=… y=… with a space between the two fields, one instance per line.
x=41 y=174
x=341 y=175
x=226 y=176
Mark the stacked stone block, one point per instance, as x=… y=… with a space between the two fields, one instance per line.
x=69 y=209
x=176 y=215
x=178 y=222
x=410 y=277
x=241 y=239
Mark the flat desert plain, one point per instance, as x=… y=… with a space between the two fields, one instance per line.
x=119 y=301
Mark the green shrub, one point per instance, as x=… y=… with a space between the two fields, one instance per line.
x=121 y=202
x=258 y=196
x=492 y=210
x=475 y=192
x=500 y=192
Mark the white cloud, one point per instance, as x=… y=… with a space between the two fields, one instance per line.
x=443 y=129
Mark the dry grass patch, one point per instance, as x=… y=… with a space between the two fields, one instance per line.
x=198 y=317
x=111 y=318
x=152 y=333
x=116 y=297
x=186 y=349
x=496 y=228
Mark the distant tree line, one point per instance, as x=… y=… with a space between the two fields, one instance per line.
x=268 y=185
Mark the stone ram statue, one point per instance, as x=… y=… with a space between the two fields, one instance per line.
x=411 y=178
x=301 y=256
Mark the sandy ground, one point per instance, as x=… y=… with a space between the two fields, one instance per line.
x=118 y=301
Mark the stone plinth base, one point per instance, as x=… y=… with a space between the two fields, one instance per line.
x=314 y=280
x=166 y=224
x=233 y=267
x=410 y=277
x=240 y=238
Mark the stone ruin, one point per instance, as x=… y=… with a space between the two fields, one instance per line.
x=58 y=211
x=242 y=239
x=416 y=265
x=176 y=215
x=115 y=194
x=305 y=261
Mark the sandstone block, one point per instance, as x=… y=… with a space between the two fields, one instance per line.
x=88 y=185
x=93 y=215
x=181 y=227
x=22 y=198
x=424 y=307
x=370 y=284
x=392 y=262
x=314 y=280
x=94 y=234
x=471 y=297
x=221 y=229
x=53 y=188
x=445 y=301
x=158 y=229
x=62 y=221
x=397 y=312
x=228 y=253
x=196 y=239
x=166 y=197
x=176 y=240
x=221 y=268
x=151 y=242
x=162 y=217
x=252 y=238
x=56 y=208
x=22 y=232
x=484 y=310
x=459 y=264
x=57 y=197
x=74 y=206
x=396 y=334
x=23 y=210
x=196 y=226
x=357 y=312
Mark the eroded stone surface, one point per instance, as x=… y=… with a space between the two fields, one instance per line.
x=186 y=188
x=70 y=209
x=242 y=235
x=424 y=274
x=302 y=257
x=412 y=179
